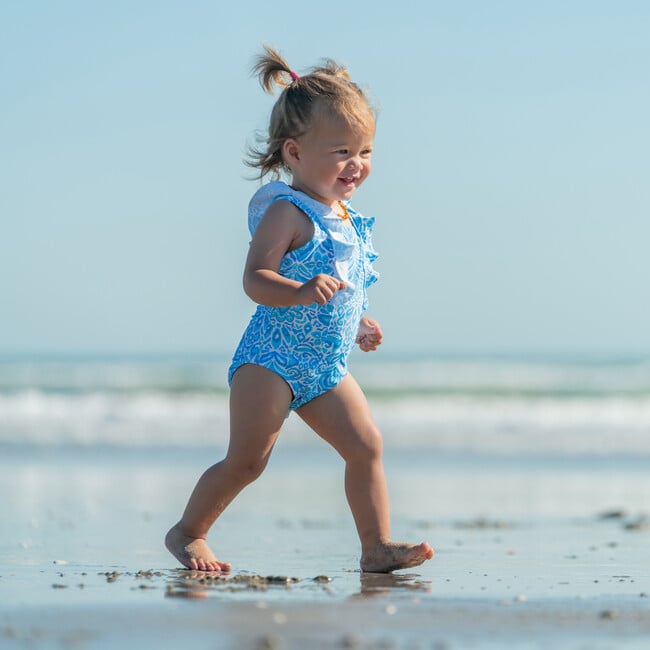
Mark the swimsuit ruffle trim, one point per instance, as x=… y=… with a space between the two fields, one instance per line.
x=327 y=219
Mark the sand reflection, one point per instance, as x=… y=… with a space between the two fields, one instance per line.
x=376 y=584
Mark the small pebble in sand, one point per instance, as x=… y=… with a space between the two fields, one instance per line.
x=59 y=586
x=521 y=598
x=322 y=579
x=612 y=514
x=390 y=609
x=60 y=561
x=608 y=614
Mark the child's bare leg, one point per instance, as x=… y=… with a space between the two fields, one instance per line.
x=259 y=401
x=342 y=417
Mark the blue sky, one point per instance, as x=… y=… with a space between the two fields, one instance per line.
x=510 y=179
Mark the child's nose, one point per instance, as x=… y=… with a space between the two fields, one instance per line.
x=355 y=163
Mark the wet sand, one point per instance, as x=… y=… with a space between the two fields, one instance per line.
x=370 y=623
x=526 y=557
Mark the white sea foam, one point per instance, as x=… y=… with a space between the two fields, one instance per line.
x=519 y=426
x=140 y=419
x=450 y=423
x=448 y=406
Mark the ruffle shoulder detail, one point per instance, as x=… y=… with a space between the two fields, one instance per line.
x=276 y=190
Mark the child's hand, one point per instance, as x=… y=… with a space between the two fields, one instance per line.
x=320 y=289
x=370 y=335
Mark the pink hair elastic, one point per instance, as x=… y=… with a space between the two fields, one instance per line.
x=294 y=75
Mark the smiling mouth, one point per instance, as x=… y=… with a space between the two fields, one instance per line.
x=348 y=179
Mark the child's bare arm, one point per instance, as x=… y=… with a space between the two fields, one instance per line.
x=282 y=229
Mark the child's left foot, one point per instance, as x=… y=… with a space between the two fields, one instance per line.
x=391 y=556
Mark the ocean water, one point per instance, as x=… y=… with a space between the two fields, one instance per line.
x=497 y=407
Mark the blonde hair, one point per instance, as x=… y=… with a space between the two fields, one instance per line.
x=326 y=91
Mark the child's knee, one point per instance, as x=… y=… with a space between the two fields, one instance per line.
x=246 y=470
x=368 y=446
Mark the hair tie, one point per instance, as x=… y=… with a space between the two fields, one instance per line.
x=294 y=75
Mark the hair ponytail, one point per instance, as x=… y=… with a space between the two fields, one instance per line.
x=271 y=69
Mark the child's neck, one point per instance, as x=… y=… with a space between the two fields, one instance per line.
x=330 y=203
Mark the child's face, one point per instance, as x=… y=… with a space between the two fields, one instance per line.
x=330 y=161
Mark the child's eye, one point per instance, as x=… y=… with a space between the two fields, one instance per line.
x=343 y=152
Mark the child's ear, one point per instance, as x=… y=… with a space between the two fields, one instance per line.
x=290 y=151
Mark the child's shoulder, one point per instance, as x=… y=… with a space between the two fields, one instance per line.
x=266 y=196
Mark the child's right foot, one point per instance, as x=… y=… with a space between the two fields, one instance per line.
x=392 y=556
x=193 y=552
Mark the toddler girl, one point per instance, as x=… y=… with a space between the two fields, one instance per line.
x=308 y=268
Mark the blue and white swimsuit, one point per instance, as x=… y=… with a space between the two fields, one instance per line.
x=308 y=346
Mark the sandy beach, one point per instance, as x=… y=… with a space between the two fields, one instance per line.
x=532 y=554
